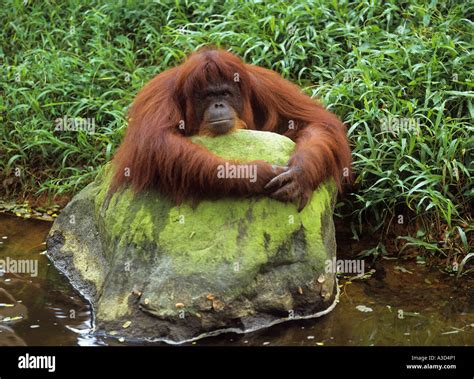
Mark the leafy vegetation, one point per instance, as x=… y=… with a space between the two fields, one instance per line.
x=399 y=73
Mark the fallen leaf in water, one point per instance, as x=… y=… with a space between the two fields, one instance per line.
x=210 y=297
x=8 y=319
x=113 y=333
x=363 y=308
x=403 y=269
x=414 y=314
x=420 y=260
x=126 y=324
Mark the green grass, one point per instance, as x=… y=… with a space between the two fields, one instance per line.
x=369 y=62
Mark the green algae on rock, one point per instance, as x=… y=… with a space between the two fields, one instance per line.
x=180 y=273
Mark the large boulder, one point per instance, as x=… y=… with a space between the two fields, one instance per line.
x=157 y=271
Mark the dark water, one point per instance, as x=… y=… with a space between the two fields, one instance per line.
x=410 y=305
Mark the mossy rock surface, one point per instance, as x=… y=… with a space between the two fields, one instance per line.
x=178 y=273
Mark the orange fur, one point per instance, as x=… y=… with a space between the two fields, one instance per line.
x=157 y=154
